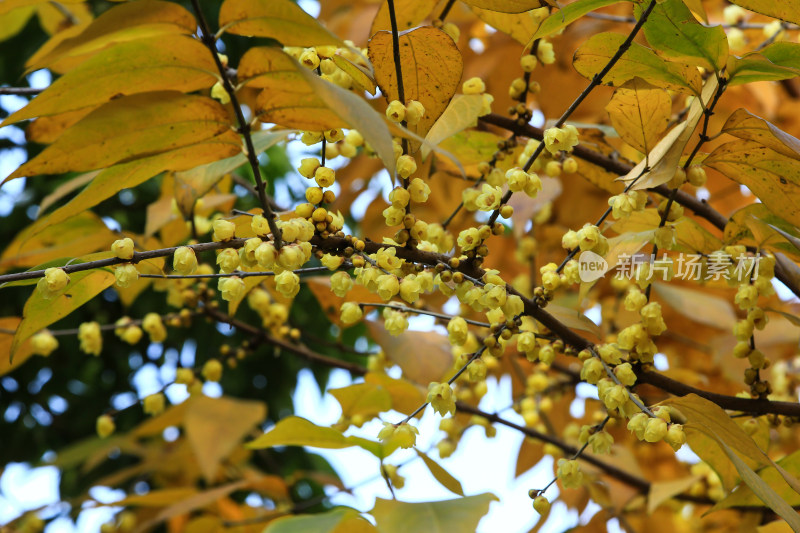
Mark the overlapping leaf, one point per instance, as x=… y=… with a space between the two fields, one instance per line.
x=155 y=122
x=640 y=113
x=168 y=62
x=462 y=514
x=282 y=20
x=432 y=68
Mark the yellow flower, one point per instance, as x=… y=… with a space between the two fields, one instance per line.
x=388 y=286
x=541 y=505
x=569 y=472
x=184 y=376
x=154 y=327
x=592 y=370
x=410 y=289
x=404 y=435
x=473 y=86
x=123 y=248
x=341 y=283
x=625 y=374
x=184 y=261
x=259 y=225
x=223 y=230
x=396 y=111
x=325 y=176
x=154 y=404
x=126 y=274
x=231 y=288
x=212 y=370
x=53 y=281
x=228 y=260
x=656 y=430
x=469 y=238
x=350 y=313
x=490 y=198
x=406 y=166
x=44 y=343
x=90 y=337
x=414 y=112
x=105 y=426
x=675 y=436
x=441 y=398
x=457 y=331
x=287 y=283
x=601 y=442
x=394 y=321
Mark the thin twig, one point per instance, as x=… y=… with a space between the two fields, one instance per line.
x=244 y=127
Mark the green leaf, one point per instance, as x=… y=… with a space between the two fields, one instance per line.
x=155 y=122
x=756 y=225
x=462 y=514
x=755 y=67
x=282 y=20
x=788 y=10
x=441 y=475
x=672 y=30
x=595 y=53
x=563 y=17
x=773 y=177
x=168 y=62
x=40 y=312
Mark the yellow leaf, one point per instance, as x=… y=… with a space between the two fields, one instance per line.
x=749 y=127
x=744 y=496
x=707 y=417
x=519 y=26
x=788 y=10
x=661 y=491
x=52 y=19
x=363 y=77
x=441 y=475
x=167 y=62
x=214 y=426
x=8 y=326
x=461 y=113
x=424 y=356
x=640 y=113
x=461 y=514
x=196 y=182
x=282 y=20
x=509 y=6
x=663 y=158
x=409 y=13
x=689 y=235
x=406 y=397
x=192 y=502
x=84 y=234
x=362 y=399
x=40 y=312
x=317 y=523
x=126 y=175
x=297 y=98
x=154 y=123
x=125 y=22
x=574 y=319
x=12 y=22
x=699 y=306
x=296 y=431
x=756 y=225
x=155 y=498
x=773 y=177
x=45 y=130
x=431 y=70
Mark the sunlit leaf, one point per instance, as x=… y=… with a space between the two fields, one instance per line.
x=282 y=20
x=168 y=62
x=638 y=60
x=40 y=312
x=717 y=312
x=508 y=6
x=462 y=514
x=362 y=399
x=788 y=10
x=155 y=122
x=441 y=475
x=563 y=17
x=424 y=356
x=462 y=112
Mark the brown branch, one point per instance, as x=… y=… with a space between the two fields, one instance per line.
x=20 y=91
x=700 y=208
x=753 y=406
x=302 y=351
x=244 y=127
